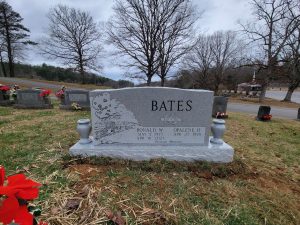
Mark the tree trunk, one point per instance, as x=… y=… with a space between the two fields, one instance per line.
x=9 y=48
x=82 y=76
x=149 y=81
x=263 y=92
x=3 y=66
x=264 y=86
x=216 y=90
x=162 y=82
x=292 y=88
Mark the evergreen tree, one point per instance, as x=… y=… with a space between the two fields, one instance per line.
x=14 y=36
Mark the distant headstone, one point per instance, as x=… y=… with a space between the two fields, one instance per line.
x=262 y=112
x=32 y=99
x=298 y=117
x=4 y=99
x=145 y=123
x=80 y=97
x=219 y=105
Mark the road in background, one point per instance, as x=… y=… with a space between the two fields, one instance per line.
x=233 y=107
x=279 y=95
x=253 y=109
x=32 y=84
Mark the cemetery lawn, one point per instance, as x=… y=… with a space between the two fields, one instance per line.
x=261 y=186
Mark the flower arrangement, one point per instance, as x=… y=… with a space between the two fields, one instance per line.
x=76 y=106
x=4 y=88
x=15 y=192
x=60 y=94
x=221 y=115
x=266 y=117
x=45 y=93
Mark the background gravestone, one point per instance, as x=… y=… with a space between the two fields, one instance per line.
x=219 y=105
x=31 y=99
x=81 y=97
x=4 y=100
x=263 y=110
x=298 y=117
x=145 y=123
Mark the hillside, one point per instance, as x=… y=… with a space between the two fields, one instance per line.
x=52 y=73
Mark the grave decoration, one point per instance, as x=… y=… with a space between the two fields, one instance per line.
x=16 y=192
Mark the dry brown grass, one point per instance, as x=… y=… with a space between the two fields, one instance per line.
x=261 y=186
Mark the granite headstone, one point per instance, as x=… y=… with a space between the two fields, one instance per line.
x=219 y=105
x=298 y=116
x=145 y=123
x=263 y=111
x=80 y=97
x=31 y=99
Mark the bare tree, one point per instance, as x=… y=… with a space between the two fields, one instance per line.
x=226 y=50
x=213 y=55
x=200 y=60
x=134 y=30
x=14 y=36
x=175 y=34
x=152 y=33
x=274 y=23
x=292 y=63
x=73 y=39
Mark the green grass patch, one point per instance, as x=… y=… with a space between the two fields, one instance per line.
x=261 y=186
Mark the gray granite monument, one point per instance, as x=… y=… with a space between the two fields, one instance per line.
x=80 y=97
x=4 y=99
x=146 y=123
x=263 y=113
x=32 y=99
x=220 y=106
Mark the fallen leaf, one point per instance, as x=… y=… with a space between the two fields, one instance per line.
x=115 y=217
x=72 y=204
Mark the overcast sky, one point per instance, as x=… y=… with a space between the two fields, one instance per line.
x=218 y=15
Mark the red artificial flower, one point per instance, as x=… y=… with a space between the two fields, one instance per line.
x=267 y=117
x=2 y=176
x=11 y=211
x=42 y=223
x=45 y=93
x=60 y=93
x=4 y=88
x=21 y=187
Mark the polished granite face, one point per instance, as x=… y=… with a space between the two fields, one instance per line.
x=219 y=105
x=80 y=97
x=151 y=116
x=32 y=99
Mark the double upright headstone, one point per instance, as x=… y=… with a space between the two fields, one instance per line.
x=145 y=123
x=32 y=99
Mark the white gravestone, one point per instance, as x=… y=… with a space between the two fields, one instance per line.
x=145 y=123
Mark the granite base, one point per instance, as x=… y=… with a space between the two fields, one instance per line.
x=68 y=107
x=212 y=153
x=6 y=103
x=20 y=106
